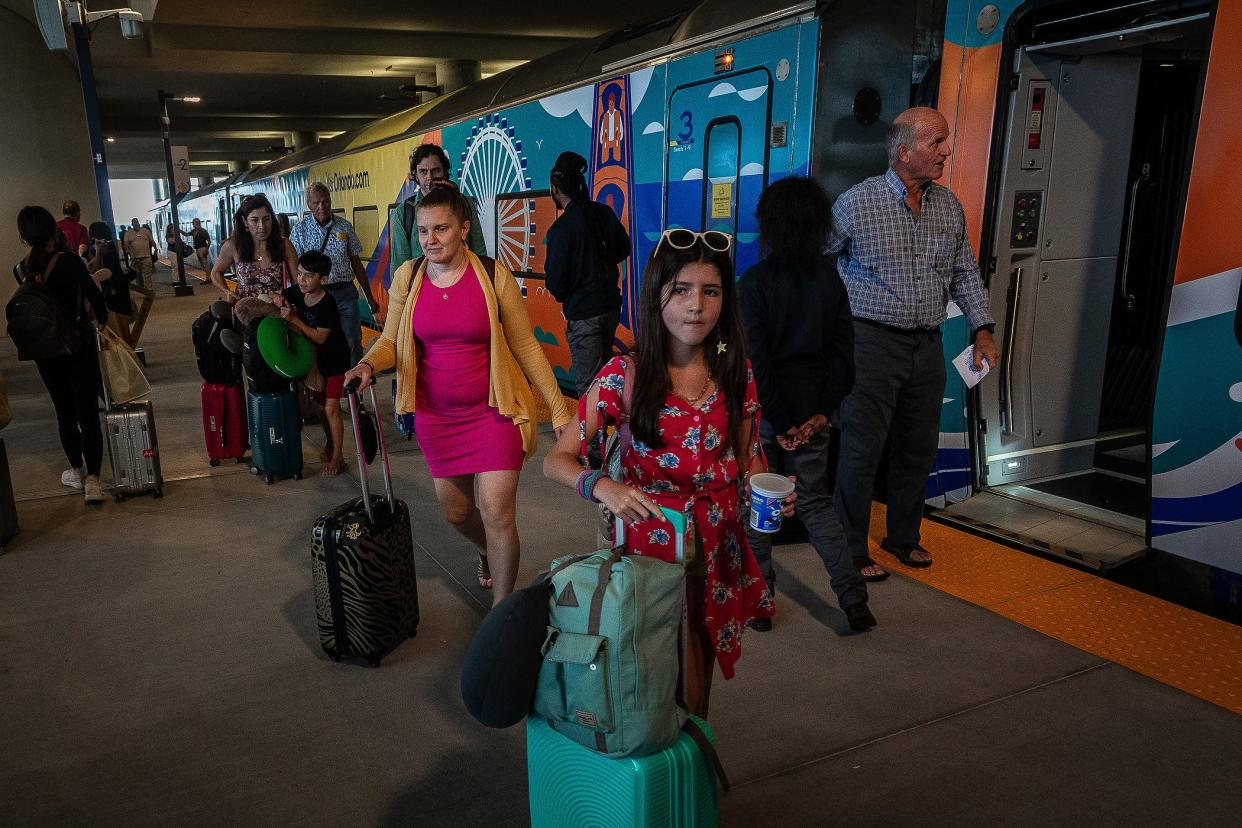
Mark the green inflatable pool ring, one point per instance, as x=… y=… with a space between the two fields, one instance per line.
x=288 y=352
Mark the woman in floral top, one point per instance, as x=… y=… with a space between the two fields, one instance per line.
x=692 y=404
x=262 y=259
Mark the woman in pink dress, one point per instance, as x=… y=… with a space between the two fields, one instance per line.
x=466 y=359
x=262 y=259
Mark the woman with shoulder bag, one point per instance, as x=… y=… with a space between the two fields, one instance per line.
x=112 y=278
x=72 y=381
x=458 y=334
x=694 y=425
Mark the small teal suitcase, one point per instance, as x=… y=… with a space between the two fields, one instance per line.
x=275 y=435
x=573 y=786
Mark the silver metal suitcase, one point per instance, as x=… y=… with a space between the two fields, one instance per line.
x=133 y=448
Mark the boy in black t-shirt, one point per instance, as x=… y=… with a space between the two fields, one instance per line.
x=311 y=312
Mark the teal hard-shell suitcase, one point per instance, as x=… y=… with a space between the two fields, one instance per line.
x=275 y=435
x=572 y=786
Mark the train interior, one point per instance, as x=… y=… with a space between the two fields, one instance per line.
x=1096 y=149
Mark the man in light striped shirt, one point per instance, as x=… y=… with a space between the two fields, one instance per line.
x=902 y=250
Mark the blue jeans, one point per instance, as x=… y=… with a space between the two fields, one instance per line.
x=346 y=297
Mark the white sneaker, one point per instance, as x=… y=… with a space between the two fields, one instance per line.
x=72 y=478
x=94 y=491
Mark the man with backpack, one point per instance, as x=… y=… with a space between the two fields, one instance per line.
x=586 y=245
x=429 y=167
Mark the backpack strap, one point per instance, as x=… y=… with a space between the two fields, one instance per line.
x=596 y=617
x=41 y=277
x=407 y=217
x=696 y=733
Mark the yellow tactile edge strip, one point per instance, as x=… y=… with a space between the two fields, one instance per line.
x=1179 y=647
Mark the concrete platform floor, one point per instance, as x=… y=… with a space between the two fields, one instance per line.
x=159 y=665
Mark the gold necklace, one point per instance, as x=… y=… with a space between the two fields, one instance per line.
x=707 y=381
x=444 y=290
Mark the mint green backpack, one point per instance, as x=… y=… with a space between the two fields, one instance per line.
x=610 y=673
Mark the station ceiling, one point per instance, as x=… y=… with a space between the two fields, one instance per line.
x=268 y=70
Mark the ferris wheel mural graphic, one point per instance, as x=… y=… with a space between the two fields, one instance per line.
x=491 y=165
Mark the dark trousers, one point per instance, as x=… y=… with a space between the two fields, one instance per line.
x=73 y=383
x=809 y=463
x=346 y=297
x=590 y=346
x=897 y=396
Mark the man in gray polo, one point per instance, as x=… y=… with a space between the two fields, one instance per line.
x=902 y=249
x=334 y=236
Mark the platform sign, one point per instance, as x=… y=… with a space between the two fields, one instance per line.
x=181 y=169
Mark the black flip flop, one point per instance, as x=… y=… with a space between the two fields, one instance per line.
x=903 y=553
x=859 y=563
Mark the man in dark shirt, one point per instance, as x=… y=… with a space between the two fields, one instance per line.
x=201 y=240
x=585 y=246
x=799 y=334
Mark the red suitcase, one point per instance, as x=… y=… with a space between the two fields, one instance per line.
x=224 y=421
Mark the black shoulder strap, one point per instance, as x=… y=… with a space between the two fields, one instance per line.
x=326 y=234
x=417 y=264
x=407 y=218
x=709 y=753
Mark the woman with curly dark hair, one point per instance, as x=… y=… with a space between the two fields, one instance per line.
x=801 y=339
x=262 y=259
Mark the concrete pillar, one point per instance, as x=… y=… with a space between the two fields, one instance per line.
x=302 y=140
x=454 y=74
x=43 y=135
x=238 y=166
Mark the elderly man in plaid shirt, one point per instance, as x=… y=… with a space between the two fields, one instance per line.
x=902 y=250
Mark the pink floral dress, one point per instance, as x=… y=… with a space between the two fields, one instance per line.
x=695 y=472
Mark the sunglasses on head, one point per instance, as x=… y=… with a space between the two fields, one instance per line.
x=681 y=239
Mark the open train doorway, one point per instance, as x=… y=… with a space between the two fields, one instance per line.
x=1089 y=190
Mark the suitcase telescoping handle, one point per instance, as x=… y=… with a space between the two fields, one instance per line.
x=351 y=390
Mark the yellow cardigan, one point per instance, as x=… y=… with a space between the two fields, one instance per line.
x=517 y=361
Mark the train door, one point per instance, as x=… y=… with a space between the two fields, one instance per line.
x=1092 y=178
x=718 y=130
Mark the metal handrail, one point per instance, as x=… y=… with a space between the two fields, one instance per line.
x=1125 y=264
x=1006 y=378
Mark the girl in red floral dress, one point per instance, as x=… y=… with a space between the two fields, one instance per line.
x=693 y=411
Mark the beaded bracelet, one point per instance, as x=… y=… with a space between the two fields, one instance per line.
x=586 y=484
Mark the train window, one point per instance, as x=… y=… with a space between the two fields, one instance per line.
x=721 y=163
x=338 y=212
x=367 y=226
x=522 y=222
